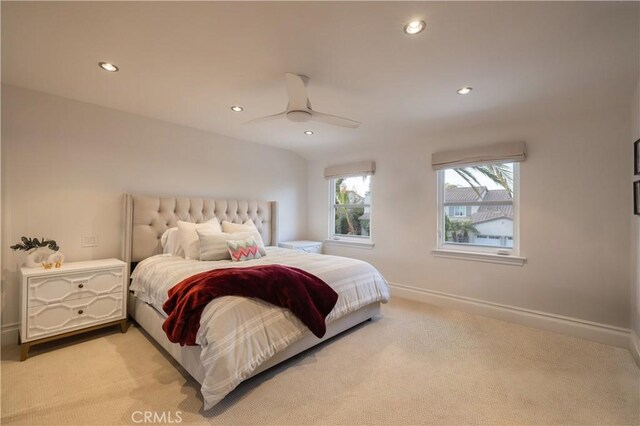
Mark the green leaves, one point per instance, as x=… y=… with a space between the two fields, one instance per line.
x=31 y=243
x=459 y=228
x=498 y=173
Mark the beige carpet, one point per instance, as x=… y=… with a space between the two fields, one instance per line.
x=417 y=364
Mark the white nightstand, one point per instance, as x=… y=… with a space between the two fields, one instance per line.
x=73 y=299
x=305 y=246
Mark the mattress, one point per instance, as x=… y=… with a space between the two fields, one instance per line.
x=237 y=335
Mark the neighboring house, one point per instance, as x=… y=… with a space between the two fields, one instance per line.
x=359 y=217
x=365 y=219
x=493 y=223
x=352 y=196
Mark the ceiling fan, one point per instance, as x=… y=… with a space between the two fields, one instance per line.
x=299 y=108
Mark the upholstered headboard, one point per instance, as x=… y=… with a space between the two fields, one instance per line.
x=147 y=217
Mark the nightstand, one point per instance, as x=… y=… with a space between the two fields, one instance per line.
x=305 y=246
x=73 y=299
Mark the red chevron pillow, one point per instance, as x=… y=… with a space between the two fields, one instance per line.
x=241 y=250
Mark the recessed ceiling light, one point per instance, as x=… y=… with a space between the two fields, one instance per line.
x=308 y=132
x=414 y=27
x=108 y=67
x=237 y=108
x=464 y=90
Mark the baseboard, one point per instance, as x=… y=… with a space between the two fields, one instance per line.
x=9 y=334
x=602 y=333
x=635 y=347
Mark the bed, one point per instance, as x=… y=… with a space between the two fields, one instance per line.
x=238 y=337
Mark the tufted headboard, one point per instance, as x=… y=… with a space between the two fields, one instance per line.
x=147 y=217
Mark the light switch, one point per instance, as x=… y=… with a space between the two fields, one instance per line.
x=89 y=241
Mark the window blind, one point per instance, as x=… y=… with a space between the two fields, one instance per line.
x=360 y=168
x=496 y=153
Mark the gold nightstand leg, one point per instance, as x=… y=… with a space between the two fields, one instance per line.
x=24 y=351
x=124 y=325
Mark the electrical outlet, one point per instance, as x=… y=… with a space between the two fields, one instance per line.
x=89 y=241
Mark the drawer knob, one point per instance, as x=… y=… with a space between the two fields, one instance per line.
x=80 y=312
x=80 y=285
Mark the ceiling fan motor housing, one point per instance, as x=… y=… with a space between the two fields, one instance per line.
x=299 y=116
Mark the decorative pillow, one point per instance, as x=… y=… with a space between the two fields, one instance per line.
x=213 y=245
x=189 y=237
x=170 y=242
x=232 y=228
x=253 y=234
x=241 y=250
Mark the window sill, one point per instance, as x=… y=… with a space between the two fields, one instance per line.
x=480 y=257
x=346 y=243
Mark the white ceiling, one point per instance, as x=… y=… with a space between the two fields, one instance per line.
x=187 y=63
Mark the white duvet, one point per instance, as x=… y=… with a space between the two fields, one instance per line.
x=238 y=334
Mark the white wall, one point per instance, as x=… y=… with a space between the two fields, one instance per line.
x=635 y=230
x=66 y=165
x=575 y=230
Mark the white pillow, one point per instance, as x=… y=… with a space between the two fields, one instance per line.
x=213 y=245
x=231 y=228
x=170 y=242
x=189 y=237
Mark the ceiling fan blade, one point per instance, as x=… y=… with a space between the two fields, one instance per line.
x=334 y=120
x=282 y=114
x=297 y=92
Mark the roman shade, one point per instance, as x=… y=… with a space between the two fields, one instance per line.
x=496 y=153
x=361 y=168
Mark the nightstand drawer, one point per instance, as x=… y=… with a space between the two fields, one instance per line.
x=47 y=289
x=317 y=248
x=303 y=246
x=46 y=320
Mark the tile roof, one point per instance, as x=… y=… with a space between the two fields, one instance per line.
x=485 y=213
x=456 y=195
x=489 y=213
x=497 y=195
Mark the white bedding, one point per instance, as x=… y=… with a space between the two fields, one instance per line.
x=238 y=334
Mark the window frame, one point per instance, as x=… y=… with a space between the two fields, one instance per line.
x=356 y=240
x=447 y=246
x=455 y=211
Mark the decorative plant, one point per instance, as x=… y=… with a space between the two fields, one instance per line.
x=31 y=243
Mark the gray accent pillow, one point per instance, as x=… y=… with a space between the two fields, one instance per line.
x=213 y=245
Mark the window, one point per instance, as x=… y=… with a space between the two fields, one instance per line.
x=459 y=211
x=477 y=208
x=350 y=208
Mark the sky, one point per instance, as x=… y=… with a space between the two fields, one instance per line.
x=357 y=184
x=361 y=186
x=452 y=177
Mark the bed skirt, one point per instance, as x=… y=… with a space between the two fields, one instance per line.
x=189 y=356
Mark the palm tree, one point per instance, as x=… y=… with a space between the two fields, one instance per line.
x=447 y=228
x=460 y=230
x=342 y=197
x=452 y=226
x=467 y=227
x=498 y=173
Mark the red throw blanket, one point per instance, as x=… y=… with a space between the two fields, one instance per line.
x=305 y=295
